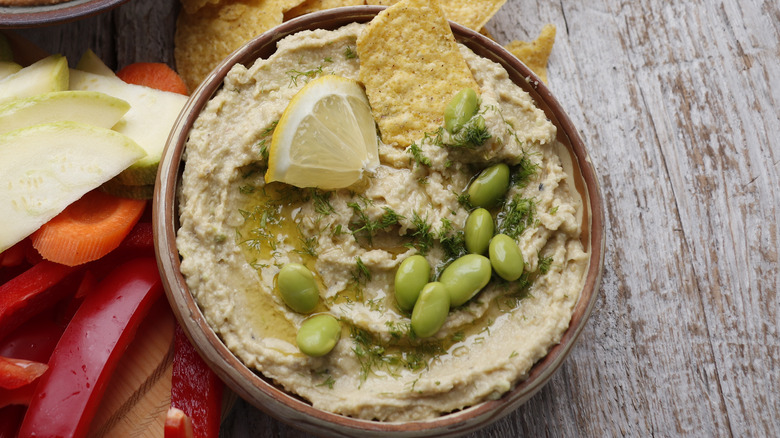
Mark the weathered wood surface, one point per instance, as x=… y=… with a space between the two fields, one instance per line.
x=678 y=102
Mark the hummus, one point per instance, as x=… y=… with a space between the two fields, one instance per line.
x=236 y=233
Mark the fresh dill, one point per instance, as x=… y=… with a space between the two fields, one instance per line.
x=422 y=235
x=373 y=356
x=367 y=227
x=554 y=210
x=452 y=241
x=328 y=59
x=308 y=74
x=464 y=200
x=329 y=380
x=417 y=156
x=360 y=276
x=544 y=264
x=308 y=246
x=523 y=172
x=322 y=202
x=515 y=216
x=349 y=53
x=473 y=134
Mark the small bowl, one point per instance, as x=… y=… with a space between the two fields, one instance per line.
x=42 y=15
x=289 y=408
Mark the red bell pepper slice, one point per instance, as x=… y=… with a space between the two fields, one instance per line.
x=89 y=350
x=178 y=424
x=35 y=339
x=28 y=293
x=19 y=396
x=15 y=373
x=10 y=419
x=141 y=237
x=15 y=255
x=195 y=389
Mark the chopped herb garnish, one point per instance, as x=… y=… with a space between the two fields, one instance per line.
x=361 y=274
x=417 y=155
x=523 y=172
x=515 y=216
x=453 y=242
x=322 y=202
x=544 y=264
x=349 y=53
x=367 y=227
x=473 y=134
x=309 y=74
x=422 y=235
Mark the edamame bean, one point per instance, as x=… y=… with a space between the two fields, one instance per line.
x=318 y=335
x=488 y=188
x=460 y=109
x=298 y=287
x=478 y=231
x=505 y=257
x=413 y=273
x=465 y=277
x=431 y=310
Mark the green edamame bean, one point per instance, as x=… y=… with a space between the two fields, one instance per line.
x=489 y=186
x=413 y=273
x=478 y=231
x=431 y=310
x=505 y=257
x=298 y=287
x=460 y=109
x=465 y=277
x=318 y=335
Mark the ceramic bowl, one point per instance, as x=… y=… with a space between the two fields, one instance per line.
x=288 y=408
x=42 y=15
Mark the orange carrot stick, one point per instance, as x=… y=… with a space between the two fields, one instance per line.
x=154 y=75
x=88 y=229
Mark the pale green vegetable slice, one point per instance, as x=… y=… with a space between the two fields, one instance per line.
x=90 y=107
x=91 y=63
x=148 y=122
x=44 y=168
x=7 y=68
x=48 y=74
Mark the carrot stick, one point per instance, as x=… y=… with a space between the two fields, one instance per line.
x=154 y=75
x=88 y=229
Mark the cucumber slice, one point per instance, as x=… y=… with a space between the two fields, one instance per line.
x=90 y=107
x=91 y=63
x=148 y=122
x=44 y=168
x=48 y=74
x=7 y=68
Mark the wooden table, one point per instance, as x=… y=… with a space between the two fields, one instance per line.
x=678 y=102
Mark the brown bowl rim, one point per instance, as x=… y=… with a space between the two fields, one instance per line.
x=288 y=408
x=17 y=17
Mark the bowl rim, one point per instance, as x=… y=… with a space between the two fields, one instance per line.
x=17 y=17
x=272 y=399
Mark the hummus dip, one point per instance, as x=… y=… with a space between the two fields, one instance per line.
x=237 y=232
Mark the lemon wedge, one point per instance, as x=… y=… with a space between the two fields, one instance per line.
x=326 y=136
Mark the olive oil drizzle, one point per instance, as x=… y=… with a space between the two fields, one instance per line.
x=270 y=214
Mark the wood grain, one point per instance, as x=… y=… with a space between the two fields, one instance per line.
x=678 y=102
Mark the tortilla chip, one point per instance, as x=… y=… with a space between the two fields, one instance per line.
x=205 y=38
x=470 y=13
x=193 y=6
x=411 y=67
x=535 y=54
x=319 y=5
